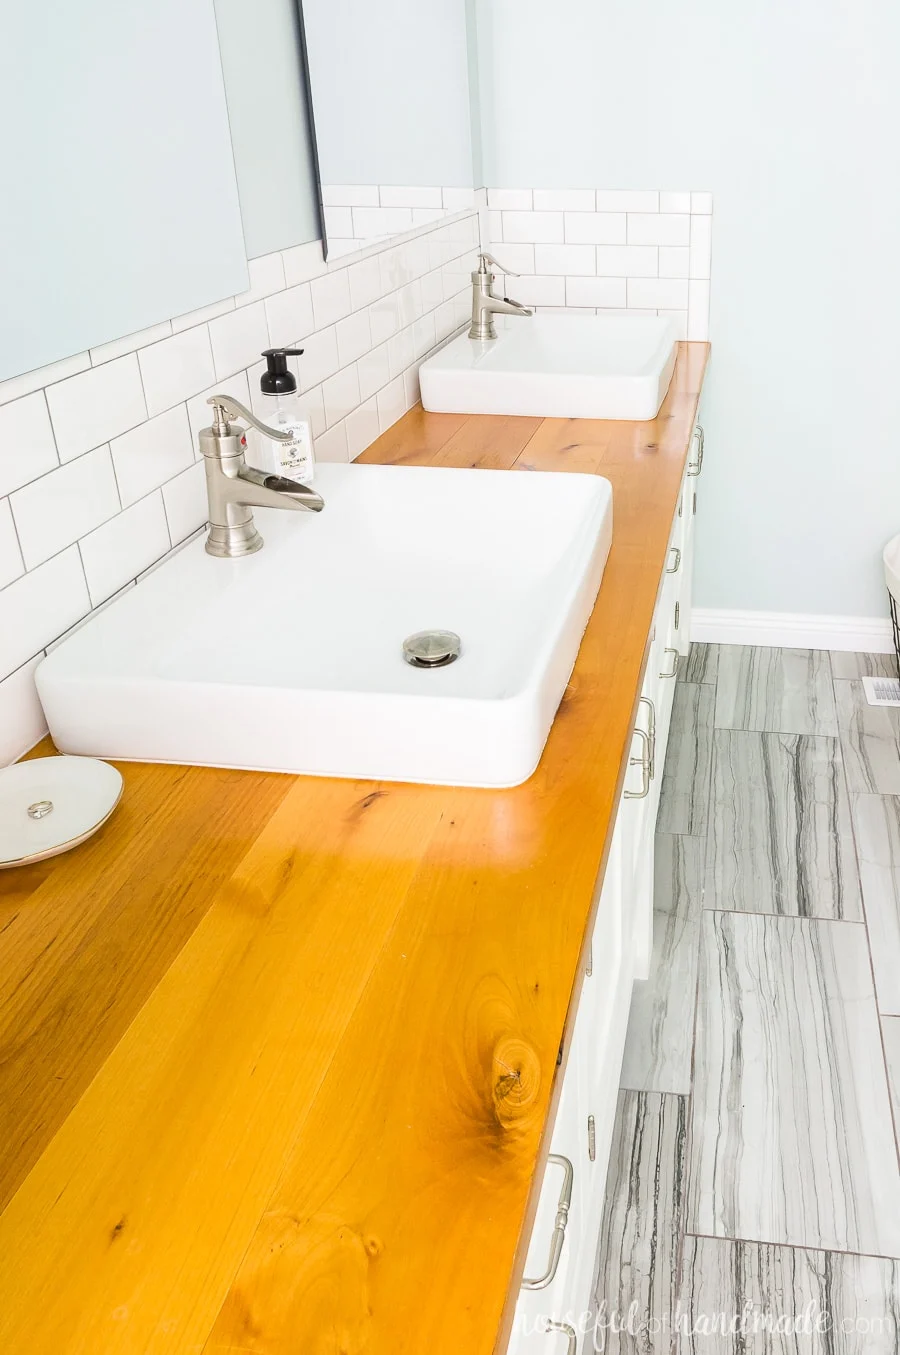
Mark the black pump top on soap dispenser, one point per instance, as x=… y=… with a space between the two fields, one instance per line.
x=276 y=379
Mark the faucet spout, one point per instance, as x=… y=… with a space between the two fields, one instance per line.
x=262 y=490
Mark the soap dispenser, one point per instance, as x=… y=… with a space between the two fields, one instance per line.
x=283 y=411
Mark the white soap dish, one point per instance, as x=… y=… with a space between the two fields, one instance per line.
x=50 y=804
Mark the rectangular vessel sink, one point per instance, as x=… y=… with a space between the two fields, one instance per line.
x=556 y=366
x=291 y=660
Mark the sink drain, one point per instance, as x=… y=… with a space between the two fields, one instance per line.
x=431 y=648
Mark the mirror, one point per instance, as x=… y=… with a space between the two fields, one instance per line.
x=390 y=109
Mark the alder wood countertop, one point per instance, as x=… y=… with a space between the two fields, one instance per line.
x=276 y=1053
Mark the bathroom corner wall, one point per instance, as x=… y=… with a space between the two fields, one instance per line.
x=99 y=473
x=607 y=251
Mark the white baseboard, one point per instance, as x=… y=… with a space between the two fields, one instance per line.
x=793 y=630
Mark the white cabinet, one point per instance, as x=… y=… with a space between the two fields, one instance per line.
x=553 y=1309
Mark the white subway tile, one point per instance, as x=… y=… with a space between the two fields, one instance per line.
x=338 y=223
x=290 y=316
x=536 y=290
x=702 y=203
x=533 y=227
x=362 y=428
x=119 y=550
x=462 y=308
x=117 y=348
x=411 y=386
x=679 y=319
x=579 y=260
x=698 y=310
x=200 y=414
x=340 y=394
x=96 y=405
x=627 y=201
x=674 y=261
x=401 y=351
x=510 y=199
x=365 y=282
x=675 y=202
x=595 y=292
x=517 y=258
x=423 y=336
x=655 y=228
x=201 y=316
x=238 y=338
x=384 y=317
x=416 y=259
x=266 y=276
x=564 y=200
x=391 y=404
x=22 y=722
x=176 y=369
x=371 y=222
x=627 y=261
x=16 y=386
x=152 y=454
x=409 y=298
x=64 y=505
x=410 y=197
x=313 y=405
x=374 y=370
x=331 y=298
x=701 y=246
x=354 y=336
x=39 y=606
x=494 y=228
x=320 y=358
x=350 y=195
x=11 y=563
x=432 y=289
x=303 y=262
x=185 y=502
x=444 y=323
x=395 y=267
x=458 y=199
x=332 y=446
x=27 y=448
x=647 y=293
x=595 y=228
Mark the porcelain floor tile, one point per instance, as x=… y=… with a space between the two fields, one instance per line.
x=743 y=1298
x=870 y=741
x=847 y=665
x=876 y=820
x=661 y=1023
x=636 y=1274
x=701 y=664
x=684 y=799
x=791 y=1132
x=780 y=838
x=890 y=1029
x=785 y=691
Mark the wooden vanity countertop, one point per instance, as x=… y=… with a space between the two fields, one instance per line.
x=277 y=1054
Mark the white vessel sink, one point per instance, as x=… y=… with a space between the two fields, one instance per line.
x=291 y=660
x=556 y=366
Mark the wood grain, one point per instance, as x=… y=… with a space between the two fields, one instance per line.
x=315 y=1118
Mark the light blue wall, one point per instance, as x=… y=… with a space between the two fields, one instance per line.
x=788 y=113
x=261 y=60
x=390 y=91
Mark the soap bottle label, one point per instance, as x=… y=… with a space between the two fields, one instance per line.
x=294 y=458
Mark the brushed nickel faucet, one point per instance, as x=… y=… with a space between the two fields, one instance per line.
x=484 y=304
x=234 y=489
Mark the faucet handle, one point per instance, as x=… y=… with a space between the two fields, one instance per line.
x=484 y=258
x=225 y=406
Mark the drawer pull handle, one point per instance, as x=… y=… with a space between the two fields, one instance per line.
x=675 y=658
x=559 y=1227
x=696 y=467
x=592 y=1139
x=569 y=1332
x=645 y=764
x=673 y=569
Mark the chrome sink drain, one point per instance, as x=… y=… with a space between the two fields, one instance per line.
x=431 y=648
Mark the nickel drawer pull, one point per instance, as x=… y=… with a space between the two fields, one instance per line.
x=675 y=658
x=673 y=569
x=559 y=1227
x=569 y=1332
x=696 y=466
x=645 y=762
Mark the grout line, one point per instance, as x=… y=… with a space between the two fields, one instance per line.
x=792 y=1246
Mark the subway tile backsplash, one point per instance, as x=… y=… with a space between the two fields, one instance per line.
x=99 y=476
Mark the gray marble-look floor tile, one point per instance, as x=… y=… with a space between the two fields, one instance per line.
x=870 y=741
x=701 y=664
x=684 y=798
x=791 y=1132
x=786 y=691
x=636 y=1275
x=845 y=664
x=744 y=1298
x=890 y=1029
x=661 y=1023
x=876 y=821
x=780 y=836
